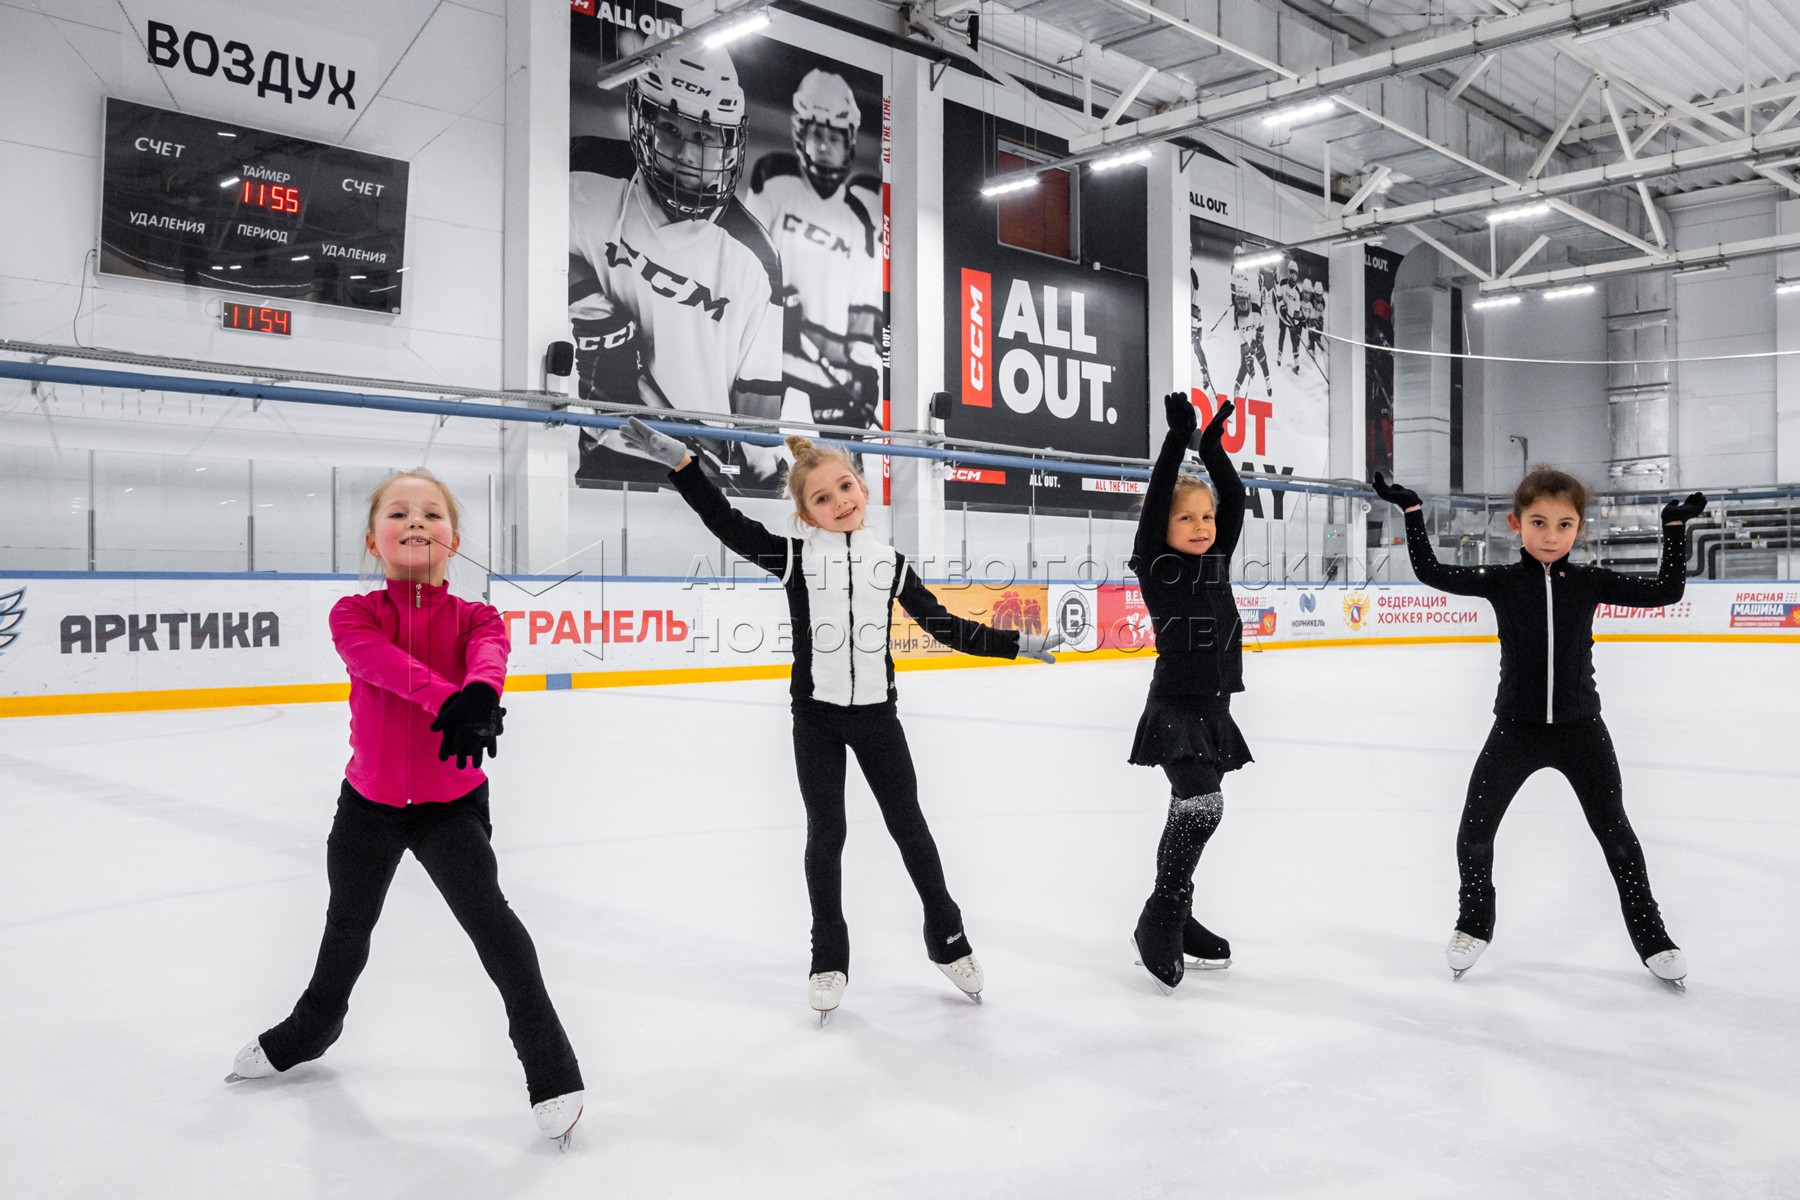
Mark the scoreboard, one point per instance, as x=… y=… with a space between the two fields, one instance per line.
x=191 y=200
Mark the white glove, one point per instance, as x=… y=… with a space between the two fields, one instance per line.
x=1039 y=645
x=645 y=442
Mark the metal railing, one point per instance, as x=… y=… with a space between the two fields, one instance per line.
x=89 y=510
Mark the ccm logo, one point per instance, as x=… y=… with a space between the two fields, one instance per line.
x=977 y=340
x=976 y=475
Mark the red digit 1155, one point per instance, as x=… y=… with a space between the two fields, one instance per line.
x=274 y=196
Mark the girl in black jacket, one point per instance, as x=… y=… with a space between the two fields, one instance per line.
x=841 y=584
x=1547 y=712
x=1182 y=558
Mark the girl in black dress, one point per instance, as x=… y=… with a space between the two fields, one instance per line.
x=1182 y=558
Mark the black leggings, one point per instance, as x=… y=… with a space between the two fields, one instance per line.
x=822 y=734
x=1195 y=806
x=1583 y=752
x=450 y=840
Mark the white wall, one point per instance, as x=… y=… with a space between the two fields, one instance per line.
x=1725 y=431
x=1560 y=409
x=440 y=73
x=441 y=108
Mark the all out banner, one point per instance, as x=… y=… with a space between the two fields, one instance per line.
x=1256 y=324
x=727 y=239
x=1044 y=350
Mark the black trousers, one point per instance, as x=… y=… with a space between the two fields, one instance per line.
x=822 y=735
x=1583 y=752
x=451 y=841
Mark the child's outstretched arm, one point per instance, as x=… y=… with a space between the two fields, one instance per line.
x=1228 y=518
x=747 y=538
x=1670 y=580
x=970 y=637
x=1458 y=581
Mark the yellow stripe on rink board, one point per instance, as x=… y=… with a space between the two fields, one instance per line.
x=226 y=697
x=600 y=679
x=318 y=693
x=1759 y=638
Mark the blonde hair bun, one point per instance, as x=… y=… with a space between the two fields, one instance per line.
x=798 y=446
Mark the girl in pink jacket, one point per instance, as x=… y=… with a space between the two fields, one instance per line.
x=426 y=672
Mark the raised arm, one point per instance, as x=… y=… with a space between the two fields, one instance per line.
x=1458 y=581
x=1228 y=519
x=1153 y=521
x=958 y=633
x=1670 y=580
x=748 y=538
x=371 y=656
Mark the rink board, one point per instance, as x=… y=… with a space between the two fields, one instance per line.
x=120 y=642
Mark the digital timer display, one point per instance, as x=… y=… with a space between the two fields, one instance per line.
x=272 y=196
x=257 y=318
x=195 y=201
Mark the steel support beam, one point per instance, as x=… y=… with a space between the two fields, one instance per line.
x=1374 y=181
x=1539 y=243
x=1545 y=20
x=1126 y=97
x=1452 y=255
x=1771 y=145
x=1723 y=252
x=1555 y=139
x=1470 y=74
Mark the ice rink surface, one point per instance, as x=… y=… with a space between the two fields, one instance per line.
x=162 y=890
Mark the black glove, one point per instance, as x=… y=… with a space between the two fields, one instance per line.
x=1180 y=410
x=1393 y=493
x=471 y=722
x=1682 y=511
x=608 y=358
x=1213 y=436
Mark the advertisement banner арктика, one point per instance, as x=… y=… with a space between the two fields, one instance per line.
x=71 y=636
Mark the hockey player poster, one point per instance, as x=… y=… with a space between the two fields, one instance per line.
x=1256 y=323
x=1042 y=350
x=726 y=241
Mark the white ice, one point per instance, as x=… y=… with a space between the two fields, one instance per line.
x=162 y=889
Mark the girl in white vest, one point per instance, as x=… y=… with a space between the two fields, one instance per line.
x=841 y=584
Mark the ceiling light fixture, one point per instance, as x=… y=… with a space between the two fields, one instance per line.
x=1659 y=16
x=1518 y=213
x=1142 y=154
x=742 y=29
x=1017 y=185
x=1302 y=112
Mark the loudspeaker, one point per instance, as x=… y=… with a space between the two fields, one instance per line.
x=559 y=358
